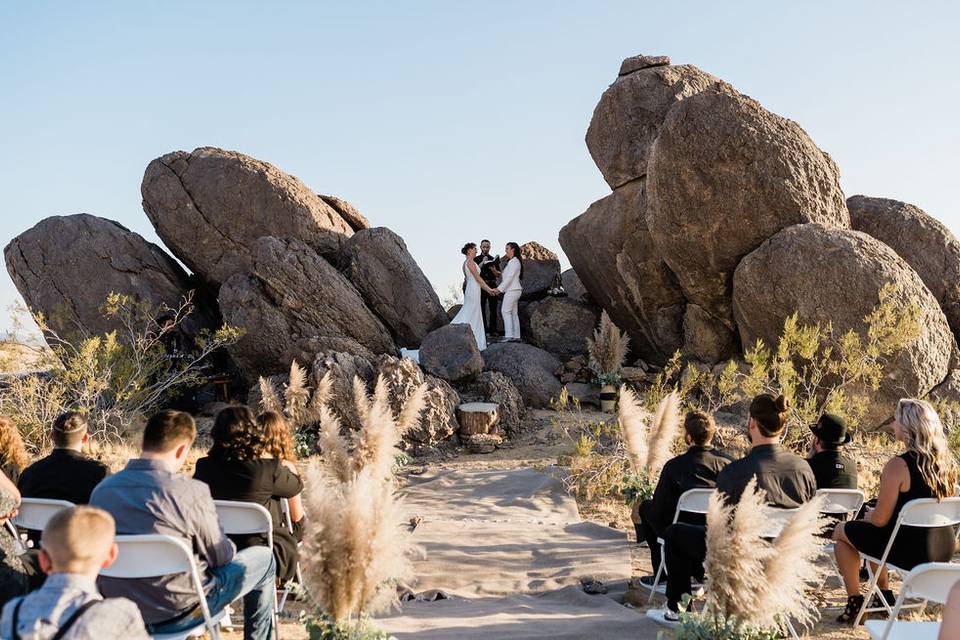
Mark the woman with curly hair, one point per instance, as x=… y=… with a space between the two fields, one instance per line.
x=13 y=455
x=279 y=438
x=926 y=470
x=239 y=467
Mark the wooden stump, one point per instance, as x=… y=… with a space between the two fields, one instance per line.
x=478 y=417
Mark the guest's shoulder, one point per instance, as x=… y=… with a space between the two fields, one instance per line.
x=119 y=617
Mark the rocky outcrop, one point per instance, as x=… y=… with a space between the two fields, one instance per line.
x=628 y=117
x=924 y=242
x=842 y=274
x=530 y=369
x=574 y=288
x=293 y=304
x=210 y=206
x=378 y=264
x=348 y=212
x=344 y=368
x=946 y=399
x=614 y=255
x=66 y=266
x=541 y=270
x=491 y=386
x=451 y=353
x=438 y=421
x=559 y=325
x=724 y=175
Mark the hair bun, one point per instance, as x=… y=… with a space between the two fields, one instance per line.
x=783 y=405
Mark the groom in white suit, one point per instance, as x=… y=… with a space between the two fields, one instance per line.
x=511 y=287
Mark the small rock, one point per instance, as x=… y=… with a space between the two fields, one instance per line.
x=568 y=377
x=483 y=443
x=572 y=365
x=636 y=63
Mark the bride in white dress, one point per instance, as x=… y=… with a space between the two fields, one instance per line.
x=471 y=313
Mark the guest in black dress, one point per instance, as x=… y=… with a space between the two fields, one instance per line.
x=235 y=469
x=13 y=455
x=926 y=470
x=279 y=438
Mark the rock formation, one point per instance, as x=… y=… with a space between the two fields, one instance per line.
x=378 y=264
x=491 y=386
x=451 y=353
x=574 y=288
x=438 y=421
x=541 y=270
x=530 y=369
x=559 y=325
x=66 y=266
x=348 y=212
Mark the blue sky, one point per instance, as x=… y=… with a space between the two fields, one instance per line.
x=446 y=121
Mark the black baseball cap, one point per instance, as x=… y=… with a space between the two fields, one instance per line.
x=831 y=429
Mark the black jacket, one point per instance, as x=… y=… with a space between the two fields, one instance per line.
x=785 y=476
x=833 y=470
x=265 y=482
x=696 y=467
x=65 y=474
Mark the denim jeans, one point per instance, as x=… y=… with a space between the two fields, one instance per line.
x=251 y=574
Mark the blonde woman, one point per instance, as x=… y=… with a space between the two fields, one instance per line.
x=13 y=455
x=926 y=470
x=279 y=445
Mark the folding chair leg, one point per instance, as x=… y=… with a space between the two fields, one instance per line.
x=656 y=578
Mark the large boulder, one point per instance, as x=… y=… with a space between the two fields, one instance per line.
x=612 y=251
x=210 y=206
x=348 y=212
x=724 y=175
x=66 y=266
x=574 y=288
x=628 y=117
x=924 y=242
x=378 y=264
x=438 y=421
x=559 y=325
x=825 y=274
x=343 y=368
x=541 y=270
x=529 y=368
x=491 y=386
x=451 y=353
x=294 y=304
x=946 y=399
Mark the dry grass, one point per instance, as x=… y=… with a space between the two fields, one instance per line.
x=607 y=349
x=648 y=447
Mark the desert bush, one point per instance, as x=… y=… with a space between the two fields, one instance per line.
x=116 y=378
x=607 y=352
x=356 y=547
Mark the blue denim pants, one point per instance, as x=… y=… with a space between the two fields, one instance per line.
x=252 y=575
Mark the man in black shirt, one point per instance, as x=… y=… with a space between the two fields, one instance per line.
x=489 y=273
x=832 y=469
x=784 y=476
x=65 y=474
x=697 y=467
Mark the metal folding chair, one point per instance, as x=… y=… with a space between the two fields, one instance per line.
x=287 y=588
x=838 y=502
x=695 y=501
x=929 y=581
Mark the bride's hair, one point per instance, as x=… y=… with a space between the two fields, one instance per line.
x=467 y=247
x=516 y=254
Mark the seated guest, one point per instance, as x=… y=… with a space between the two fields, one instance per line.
x=784 y=476
x=832 y=469
x=77 y=543
x=280 y=446
x=697 y=467
x=14 y=577
x=148 y=496
x=13 y=455
x=65 y=474
x=238 y=467
x=926 y=470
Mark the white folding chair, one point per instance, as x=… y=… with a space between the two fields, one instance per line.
x=929 y=581
x=695 y=501
x=923 y=512
x=151 y=556
x=838 y=502
x=778 y=519
x=287 y=588
x=247 y=518
x=34 y=513
x=12 y=530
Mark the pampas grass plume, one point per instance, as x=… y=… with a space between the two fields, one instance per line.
x=633 y=428
x=269 y=398
x=608 y=347
x=663 y=431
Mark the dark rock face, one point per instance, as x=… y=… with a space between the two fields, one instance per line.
x=541 y=270
x=378 y=264
x=66 y=266
x=293 y=305
x=348 y=212
x=530 y=369
x=559 y=325
x=842 y=275
x=924 y=242
x=491 y=386
x=574 y=288
x=451 y=353
x=210 y=206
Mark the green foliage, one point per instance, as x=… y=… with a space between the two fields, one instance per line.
x=116 y=378
x=326 y=628
x=637 y=487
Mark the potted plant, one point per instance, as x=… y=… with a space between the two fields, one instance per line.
x=607 y=351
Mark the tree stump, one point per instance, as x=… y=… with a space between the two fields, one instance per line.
x=478 y=418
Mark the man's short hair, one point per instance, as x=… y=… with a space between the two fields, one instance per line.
x=482 y=241
x=700 y=427
x=69 y=429
x=167 y=430
x=78 y=539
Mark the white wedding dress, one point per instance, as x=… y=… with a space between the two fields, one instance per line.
x=470 y=312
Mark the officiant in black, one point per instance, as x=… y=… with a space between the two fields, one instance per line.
x=489 y=273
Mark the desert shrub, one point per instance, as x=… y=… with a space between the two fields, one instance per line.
x=356 y=549
x=607 y=352
x=116 y=378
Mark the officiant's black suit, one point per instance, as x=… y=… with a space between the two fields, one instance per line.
x=490 y=305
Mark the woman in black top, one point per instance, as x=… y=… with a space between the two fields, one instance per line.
x=235 y=469
x=13 y=455
x=925 y=470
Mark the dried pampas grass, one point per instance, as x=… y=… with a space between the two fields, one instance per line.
x=663 y=431
x=633 y=428
x=300 y=404
x=608 y=348
x=648 y=447
x=356 y=545
x=755 y=582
